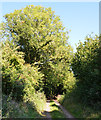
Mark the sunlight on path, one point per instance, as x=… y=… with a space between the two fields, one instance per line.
x=47 y=106
x=47 y=110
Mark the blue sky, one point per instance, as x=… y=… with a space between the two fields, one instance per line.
x=81 y=18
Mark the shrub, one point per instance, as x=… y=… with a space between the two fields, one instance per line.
x=86 y=68
x=20 y=80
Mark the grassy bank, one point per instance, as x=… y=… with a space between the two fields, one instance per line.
x=12 y=109
x=79 y=110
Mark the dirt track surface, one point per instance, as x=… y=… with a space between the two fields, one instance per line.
x=66 y=113
x=47 y=110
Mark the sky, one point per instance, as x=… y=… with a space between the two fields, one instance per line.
x=82 y=18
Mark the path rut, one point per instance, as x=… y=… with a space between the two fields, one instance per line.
x=66 y=113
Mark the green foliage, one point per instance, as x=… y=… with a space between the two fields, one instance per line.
x=12 y=62
x=40 y=35
x=12 y=109
x=85 y=65
x=78 y=109
x=36 y=30
x=20 y=80
x=37 y=100
x=37 y=59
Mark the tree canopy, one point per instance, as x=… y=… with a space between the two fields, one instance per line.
x=42 y=39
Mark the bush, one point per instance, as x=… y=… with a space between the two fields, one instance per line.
x=21 y=81
x=85 y=66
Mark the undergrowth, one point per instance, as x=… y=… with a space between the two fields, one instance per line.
x=78 y=109
x=12 y=109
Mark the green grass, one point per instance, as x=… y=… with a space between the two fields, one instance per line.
x=12 y=109
x=55 y=111
x=79 y=110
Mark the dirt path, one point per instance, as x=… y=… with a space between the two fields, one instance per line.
x=47 y=110
x=66 y=113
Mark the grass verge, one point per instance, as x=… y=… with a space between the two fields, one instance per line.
x=77 y=109
x=12 y=109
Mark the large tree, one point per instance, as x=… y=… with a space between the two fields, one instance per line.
x=42 y=37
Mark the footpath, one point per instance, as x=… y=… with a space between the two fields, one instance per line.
x=48 y=111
